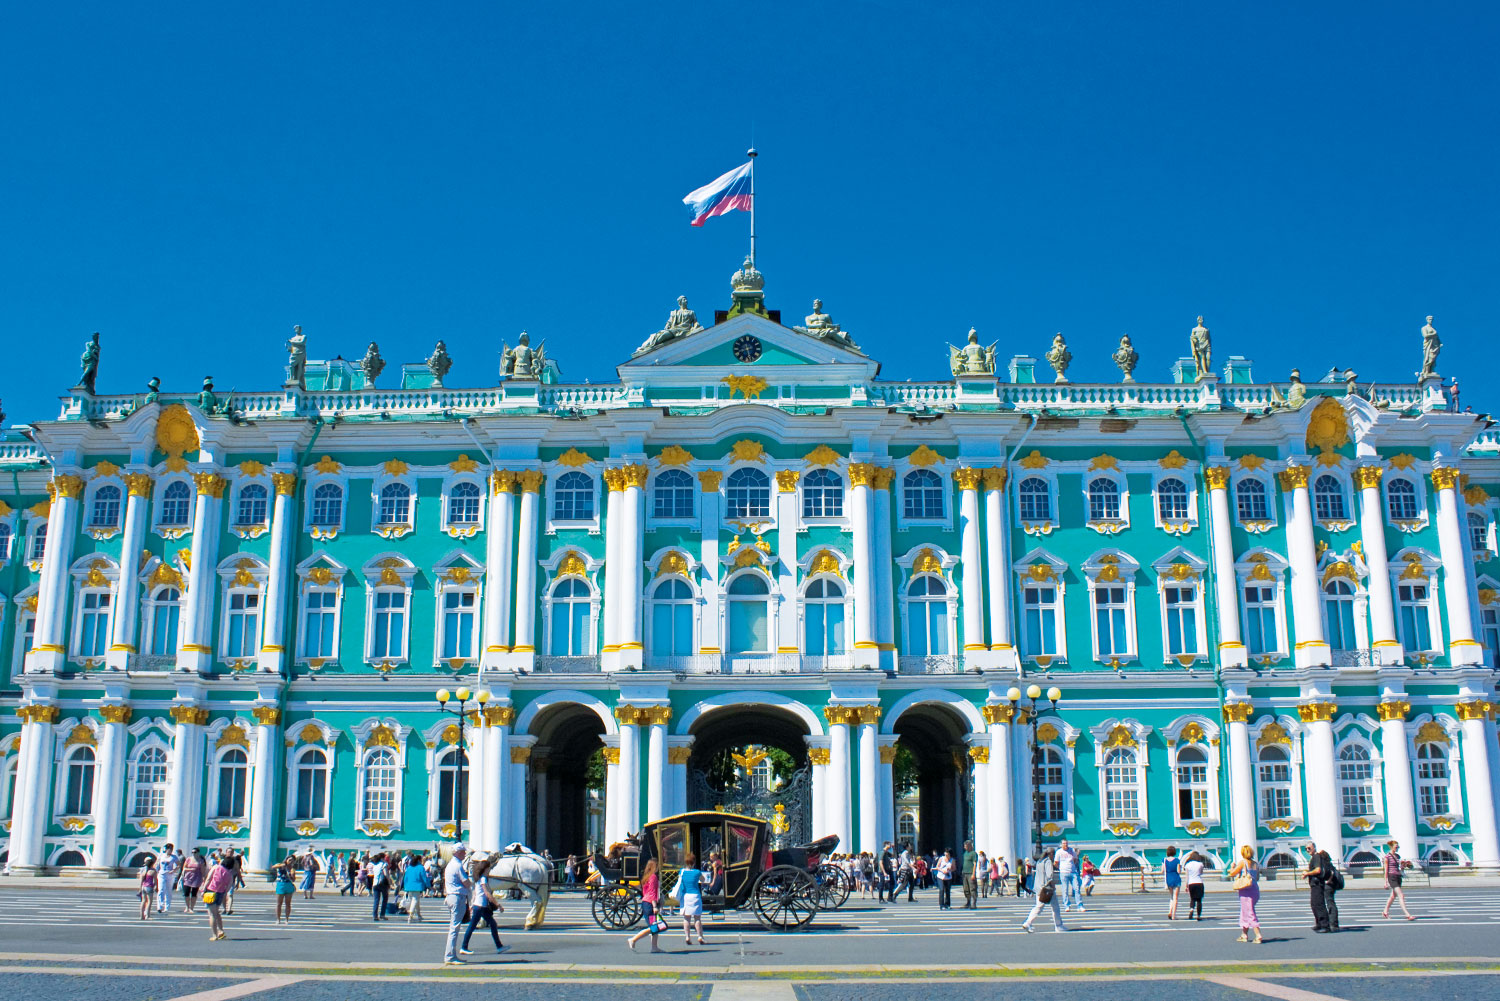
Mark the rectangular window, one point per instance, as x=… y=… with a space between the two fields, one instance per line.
x=748 y=627
x=1040 y=605
x=1192 y=791
x=232 y=790
x=1416 y=627
x=1110 y=629
x=1489 y=630
x=164 y=628
x=1182 y=621
x=244 y=624
x=93 y=637
x=458 y=624
x=671 y=629
x=1261 y=635
x=390 y=625
x=318 y=623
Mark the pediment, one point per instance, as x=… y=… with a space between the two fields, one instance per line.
x=709 y=354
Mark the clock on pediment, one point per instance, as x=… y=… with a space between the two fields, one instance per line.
x=747 y=348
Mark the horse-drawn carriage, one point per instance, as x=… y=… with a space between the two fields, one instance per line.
x=785 y=888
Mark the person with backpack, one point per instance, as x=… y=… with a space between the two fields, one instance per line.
x=380 y=885
x=1324 y=880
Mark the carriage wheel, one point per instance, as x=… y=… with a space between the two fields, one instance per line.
x=833 y=889
x=785 y=898
x=617 y=906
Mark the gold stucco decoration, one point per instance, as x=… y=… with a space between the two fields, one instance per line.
x=1036 y=460
x=1445 y=478
x=395 y=467
x=924 y=456
x=1272 y=733
x=244 y=574
x=1327 y=427
x=1431 y=732
x=233 y=735
x=1404 y=460
x=1172 y=460
x=927 y=561
x=1340 y=569
x=823 y=455
x=708 y=480
x=1047 y=733
x=748 y=386
x=747 y=450
x=825 y=562
x=1252 y=462
x=463 y=464
x=1392 y=709
x=672 y=563
x=176 y=433
x=1217 y=477
x=96 y=577
x=571 y=565
x=252 y=468
x=327 y=465
x=321 y=576
x=1104 y=462
x=81 y=735
x=1120 y=736
x=310 y=735
x=1193 y=733
x=382 y=736
x=786 y=480
x=1414 y=568
x=673 y=455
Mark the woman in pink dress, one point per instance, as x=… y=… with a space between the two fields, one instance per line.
x=1246 y=875
x=650 y=900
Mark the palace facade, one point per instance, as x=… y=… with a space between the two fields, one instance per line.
x=1272 y=609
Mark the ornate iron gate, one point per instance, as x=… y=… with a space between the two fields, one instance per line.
x=788 y=807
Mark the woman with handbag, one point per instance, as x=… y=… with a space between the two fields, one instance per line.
x=650 y=901
x=690 y=893
x=1046 y=893
x=1246 y=876
x=214 y=889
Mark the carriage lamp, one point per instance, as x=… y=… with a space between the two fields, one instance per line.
x=1034 y=693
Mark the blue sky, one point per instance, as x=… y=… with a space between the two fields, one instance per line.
x=1315 y=179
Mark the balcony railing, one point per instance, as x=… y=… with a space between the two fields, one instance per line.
x=1354 y=658
x=946 y=664
x=566 y=665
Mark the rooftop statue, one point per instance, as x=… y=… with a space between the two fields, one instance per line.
x=680 y=322
x=1430 y=348
x=523 y=361
x=1126 y=357
x=1296 y=393
x=90 y=363
x=1202 y=349
x=820 y=324
x=439 y=364
x=372 y=364
x=971 y=359
x=296 y=365
x=208 y=402
x=153 y=389
x=1350 y=380
x=1059 y=357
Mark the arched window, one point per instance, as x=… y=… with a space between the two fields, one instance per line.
x=463 y=504
x=927 y=617
x=1479 y=533
x=327 y=505
x=1442 y=856
x=1432 y=778
x=389 y=633
x=747 y=494
x=1172 y=499
x=395 y=504
x=93 y=623
x=1051 y=770
x=1104 y=499
x=672 y=494
x=1356 y=781
x=1413 y=600
x=1328 y=499
x=233 y=781
x=311 y=785
x=452 y=781
x=822 y=494
x=906 y=827
x=252 y=506
x=39 y=543
x=573 y=497
x=1036 y=499
x=78 y=792
x=571 y=619
x=672 y=619
x=823 y=618
x=1282 y=860
x=1125 y=863
x=106 y=510
x=165 y=607
x=1122 y=785
x=749 y=614
x=1401 y=499
x=1275 y=774
x=1250 y=500
x=5 y=539
x=1194 y=794
x=176 y=509
x=150 y=782
x=378 y=802
x=460 y=607
x=70 y=859
x=1363 y=858
x=922 y=495
x=1338 y=603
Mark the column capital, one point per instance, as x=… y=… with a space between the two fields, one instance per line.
x=1217 y=477
x=868 y=715
x=614 y=479
x=635 y=475
x=995 y=477
x=1238 y=712
x=819 y=755
x=530 y=480
x=266 y=715
x=997 y=715
x=611 y=755
x=66 y=486
x=884 y=475
x=285 y=483
x=1472 y=709
x=861 y=474
x=138 y=484
x=1366 y=477
x=981 y=755
x=786 y=480
x=967 y=477
x=680 y=755
x=499 y=715
x=1392 y=709
x=38 y=714
x=887 y=753
x=1317 y=712
x=654 y=715
x=1294 y=477
x=1445 y=478
x=708 y=480
x=628 y=715
x=210 y=484
x=190 y=715
x=841 y=715
x=520 y=754
x=115 y=714
x=502 y=481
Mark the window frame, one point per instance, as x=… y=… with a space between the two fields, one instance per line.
x=251 y=528
x=388 y=573
x=438 y=749
x=398 y=527
x=241 y=574
x=823 y=490
x=1106 y=525
x=945 y=504
x=1175 y=526
x=1448 y=757
x=1205 y=739
x=81 y=571
x=9 y=524
x=458 y=574
x=134 y=786
x=326 y=531
x=948 y=598
x=1419 y=498
x=65 y=763
x=215 y=763
x=1357 y=739
x=749 y=468
x=1097 y=571
x=101 y=530
x=1247 y=574
x=1342 y=489
x=691 y=487
x=1040 y=569
x=600 y=497
x=771 y=599
x=1254 y=526
x=692 y=602
x=167 y=482
x=151 y=607
x=294 y=768
x=1293 y=784
x=1106 y=743
x=1401 y=565
x=306 y=585
x=451 y=485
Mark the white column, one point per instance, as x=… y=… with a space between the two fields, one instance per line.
x=1382 y=611
x=185 y=794
x=997 y=558
x=1002 y=819
x=531 y=483
x=476 y=804
x=980 y=756
x=520 y=756
x=496 y=784
x=786 y=552
x=632 y=559
x=264 y=781
x=817 y=759
x=629 y=784
x=1400 y=802
x=709 y=644
x=1307 y=612
x=499 y=537
x=658 y=781
x=1226 y=589
x=109 y=785
x=971 y=592
x=49 y=651
x=1241 y=778
x=614 y=565
x=887 y=790
x=195 y=630
x=1464 y=649
x=838 y=814
x=885 y=618
x=677 y=759
x=614 y=830
x=273 y=654
x=1473 y=723
x=128 y=586
x=33 y=805
x=1323 y=824
x=869 y=780
x=866 y=649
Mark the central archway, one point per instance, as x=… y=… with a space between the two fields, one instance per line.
x=751 y=758
x=933 y=782
x=565 y=794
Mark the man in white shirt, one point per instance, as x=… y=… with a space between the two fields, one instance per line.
x=456 y=884
x=1067 y=875
x=166 y=878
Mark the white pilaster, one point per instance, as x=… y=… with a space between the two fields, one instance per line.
x=273 y=654
x=1232 y=651
x=109 y=785
x=786 y=552
x=838 y=815
x=195 y=629
x=885 y=616
x=541 y=788
x=996 y=559
x=971 y=591
x=866 y=649
x=33 y=804
x=477 y=802
x=709 y=643
x=614 y=830
x=979 y=755
x=614 y=566
x=817 y=758
x=629 y=784
x=658 y=781
x=496 y=775
x=869 y=780
x=887 y=790
x=185 y=794
x=499 y=539
x=1400 y=802
x=531 y=483
x=127 y=586
x=1307 y=614
x=520 y=757
x=264 y=782
x=1383 y=640
x=1318 y=765
x=1241 y=776
x=679 y=750
x=1002 y=819
x=1457 y=577
x=632 y=541
x=49 y=651
x=1478 y=790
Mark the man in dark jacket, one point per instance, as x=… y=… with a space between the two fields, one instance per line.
x=887 y=874
x=1320 y=880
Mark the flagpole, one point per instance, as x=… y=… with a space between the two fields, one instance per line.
x=751 y=154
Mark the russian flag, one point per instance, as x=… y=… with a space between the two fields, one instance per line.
x=723 y=194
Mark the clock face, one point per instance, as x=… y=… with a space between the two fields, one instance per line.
x=747 y=348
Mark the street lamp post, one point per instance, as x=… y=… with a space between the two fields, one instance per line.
x=1034 y=693
x=463 y=696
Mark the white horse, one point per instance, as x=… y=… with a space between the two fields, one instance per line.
x=520 y=868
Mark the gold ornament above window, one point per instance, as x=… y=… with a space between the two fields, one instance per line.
x=821 y=456
x=382 y=736
x=463 y=464
x=571 y=565
x=824 y=562
x=1036 y=460
x=927 y=561
x=1328 y=427
x=672 y=563
x=574 y=458
x=925 y=456
x=176 y=433
x=674 y=455
x=747 y=450
x=1172 y=460
x=327 y=465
